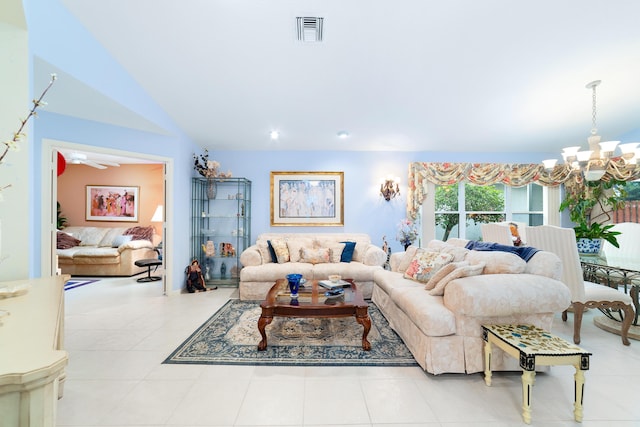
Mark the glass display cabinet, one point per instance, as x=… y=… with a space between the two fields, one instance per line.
x=220 y=227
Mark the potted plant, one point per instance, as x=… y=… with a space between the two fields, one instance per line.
x=590 y=205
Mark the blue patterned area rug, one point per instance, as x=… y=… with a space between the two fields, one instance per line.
x=231 y=337
x=76 y=283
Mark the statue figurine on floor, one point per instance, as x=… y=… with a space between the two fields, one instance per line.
x=195 y=281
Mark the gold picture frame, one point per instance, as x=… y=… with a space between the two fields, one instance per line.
x=307 y=199
x=112 y=203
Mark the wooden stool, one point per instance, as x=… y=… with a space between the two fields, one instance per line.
x=532 y=346
x=148 y=263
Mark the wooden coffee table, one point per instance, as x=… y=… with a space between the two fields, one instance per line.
x=311 y=302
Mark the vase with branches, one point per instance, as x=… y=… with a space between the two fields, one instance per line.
x=19 y=136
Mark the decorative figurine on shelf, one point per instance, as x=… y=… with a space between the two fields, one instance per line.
x=209 y=249
x=229 y=250
x=242 y=209
x=206 y=272
x=223 y=271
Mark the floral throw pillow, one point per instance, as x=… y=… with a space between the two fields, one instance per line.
x=425 y=264
x=315 y=255
x=281 y=250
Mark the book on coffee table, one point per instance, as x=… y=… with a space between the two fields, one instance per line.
x=328 y=284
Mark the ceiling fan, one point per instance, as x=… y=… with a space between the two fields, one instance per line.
x=82 y=159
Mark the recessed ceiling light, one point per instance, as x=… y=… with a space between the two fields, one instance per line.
x=274 y=134
x=343 y=134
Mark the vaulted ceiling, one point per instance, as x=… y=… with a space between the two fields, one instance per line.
x=418 y=75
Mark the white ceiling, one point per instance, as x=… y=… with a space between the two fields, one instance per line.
x=418 y=75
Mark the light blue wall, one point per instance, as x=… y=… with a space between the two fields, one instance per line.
x=365 y=211
x=57 y=38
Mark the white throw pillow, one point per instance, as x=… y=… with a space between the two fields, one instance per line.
x=497 y=262
x=121 y=240
x=464 y=271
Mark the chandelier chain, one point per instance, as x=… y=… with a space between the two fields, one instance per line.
x=594 y=129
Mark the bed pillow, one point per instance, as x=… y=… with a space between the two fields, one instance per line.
x=425 y=264
x=463 y=271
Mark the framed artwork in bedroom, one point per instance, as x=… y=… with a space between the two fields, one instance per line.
x=307 y=198
x=112 y=203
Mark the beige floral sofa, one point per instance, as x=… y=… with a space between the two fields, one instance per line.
x=314 y=255
x=105 y=251
x=436 y=298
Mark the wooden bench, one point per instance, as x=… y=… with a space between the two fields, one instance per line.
x=532 y=345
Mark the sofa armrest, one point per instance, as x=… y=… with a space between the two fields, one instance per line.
x=251 y=256
x=374 y=256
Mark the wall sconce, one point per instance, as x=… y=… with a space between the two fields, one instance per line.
x=389 y=187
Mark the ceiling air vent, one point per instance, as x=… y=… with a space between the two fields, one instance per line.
x=309 y=28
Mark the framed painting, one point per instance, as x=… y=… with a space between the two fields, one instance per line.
x=307 y=198
x=112 y=203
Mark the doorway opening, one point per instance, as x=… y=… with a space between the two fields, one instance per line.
x=50 y=149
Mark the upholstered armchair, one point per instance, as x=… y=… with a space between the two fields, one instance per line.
x=562 y=242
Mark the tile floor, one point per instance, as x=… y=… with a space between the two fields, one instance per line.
x=119 y=331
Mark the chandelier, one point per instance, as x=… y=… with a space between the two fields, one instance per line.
x=593 y=163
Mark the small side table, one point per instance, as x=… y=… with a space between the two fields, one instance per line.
x=532 y=345
x=149 y=263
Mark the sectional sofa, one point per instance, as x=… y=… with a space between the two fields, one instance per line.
x=436 y=298
x=440 y=318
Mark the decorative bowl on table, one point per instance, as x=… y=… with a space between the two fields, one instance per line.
x=335 y=278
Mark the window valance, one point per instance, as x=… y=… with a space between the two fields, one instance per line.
x=516 y=175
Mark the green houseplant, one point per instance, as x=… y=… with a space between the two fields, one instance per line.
x=591 y=204
x=61 y=220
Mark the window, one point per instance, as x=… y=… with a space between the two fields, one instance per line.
x=483 y=204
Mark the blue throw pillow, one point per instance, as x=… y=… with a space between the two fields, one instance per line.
x=347 y=252
x=274 y=257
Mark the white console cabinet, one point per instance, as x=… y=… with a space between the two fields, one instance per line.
x=32 y=359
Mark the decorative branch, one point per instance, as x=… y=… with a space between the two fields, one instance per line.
x=20 y=135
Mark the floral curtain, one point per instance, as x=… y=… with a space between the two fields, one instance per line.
x=516 y=175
